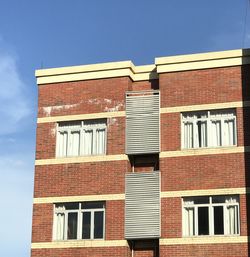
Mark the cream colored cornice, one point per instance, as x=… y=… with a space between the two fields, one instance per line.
x=96 y=71
x=145 y=72
x=202 y=60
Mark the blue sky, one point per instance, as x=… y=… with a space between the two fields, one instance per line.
x=35 y=34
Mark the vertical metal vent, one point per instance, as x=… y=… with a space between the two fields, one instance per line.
x=142 y=205
x=142 y=122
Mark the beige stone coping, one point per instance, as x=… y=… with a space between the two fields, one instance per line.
x=144 y=72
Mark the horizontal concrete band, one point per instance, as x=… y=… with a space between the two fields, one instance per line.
x=164 y=194
x=124 y=243
x=124 y=157
x=186 y=108
x=205 y=151
x=205 y=240
x=82 y=159
x=80 y=243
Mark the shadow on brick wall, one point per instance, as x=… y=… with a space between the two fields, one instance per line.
x=246 y=135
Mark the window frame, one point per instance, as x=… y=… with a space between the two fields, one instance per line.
x=82 y=127
x=79 y=212
x=210 y=206
x=208 y=120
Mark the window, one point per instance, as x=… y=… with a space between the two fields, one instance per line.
x=81 y=138
x=209 y=129
x=79 y=221
x=214 y=215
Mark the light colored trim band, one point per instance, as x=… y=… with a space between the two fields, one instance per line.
x=185 y=108
x=204 y=240
x=124 y=157
x=202 y=61
x=83 y=198
x=97 y=71
x=203 y=65
x=220 y=191
x=87 y=116
x=124 y=243
x=82 y=159
x=166 y=194
x=80 y=243
x=201 y=107
x=202 y=56
x=205 y=151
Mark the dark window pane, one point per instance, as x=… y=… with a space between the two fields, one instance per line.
x=72 y=226
x=98 y=223
x=218 y=220
x=197 y=199
x=203 y=227
x=71 y=206
x=86 y=217
x=202 y=133
x=92 y=205
x=218 y=199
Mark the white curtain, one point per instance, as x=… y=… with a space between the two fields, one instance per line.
x=88 y=142
x=62 y=143
x=74 y=143
x=215 y=133
x=188 y=135
x=203 y=134
x=59 y=223
x=188 y=225
x=100 y=141
x=229 y=132
x=231 y=216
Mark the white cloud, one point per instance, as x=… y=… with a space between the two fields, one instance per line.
x=13 y=103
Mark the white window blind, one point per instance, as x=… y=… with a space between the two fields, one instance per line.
x=214 y=215
x=209 y=129
x=81 y=138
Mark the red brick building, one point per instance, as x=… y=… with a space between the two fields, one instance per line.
x=143 y=161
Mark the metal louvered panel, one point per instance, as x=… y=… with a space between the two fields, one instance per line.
x=142 y=205
x=142 y=122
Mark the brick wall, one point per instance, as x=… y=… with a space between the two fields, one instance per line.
x=206 y=86
x=220 y=250
x=80 y=179
x=203 y=172
x=83 y=252
x=80 y=97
